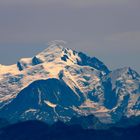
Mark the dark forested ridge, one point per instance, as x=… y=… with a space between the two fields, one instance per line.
x=36 y=130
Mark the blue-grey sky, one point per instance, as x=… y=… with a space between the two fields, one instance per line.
x=107 y=29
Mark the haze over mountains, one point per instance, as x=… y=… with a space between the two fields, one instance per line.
x=60 y=84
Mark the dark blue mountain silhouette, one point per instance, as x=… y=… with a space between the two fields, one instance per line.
x=36 y=130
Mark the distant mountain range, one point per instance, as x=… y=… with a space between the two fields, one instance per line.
x=60 y=84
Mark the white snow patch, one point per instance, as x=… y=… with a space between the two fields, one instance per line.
x=30 y=110
x=50 y=104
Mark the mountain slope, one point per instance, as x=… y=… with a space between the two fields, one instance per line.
x=42 y=101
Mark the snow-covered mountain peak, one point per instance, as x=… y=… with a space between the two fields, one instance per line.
x=56 y=49
x=52 y=54
x=59 y=83
x=57 y=54
x=132 y=73
x=55 y=46
x=125 y=73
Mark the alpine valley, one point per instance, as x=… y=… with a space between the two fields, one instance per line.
x=60 y=84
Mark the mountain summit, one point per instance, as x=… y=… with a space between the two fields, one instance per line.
x=61 y=84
